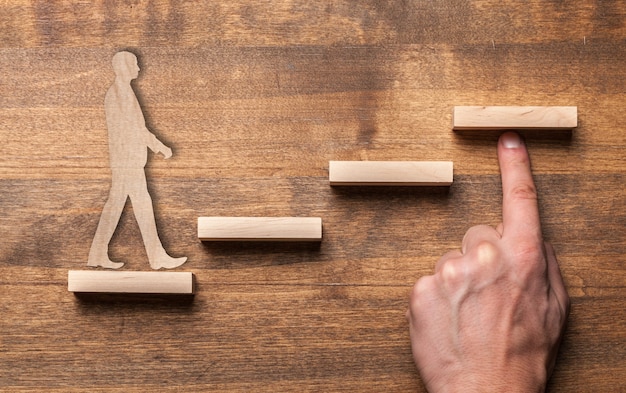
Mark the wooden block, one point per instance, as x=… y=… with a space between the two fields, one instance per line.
x=515 y=117
x=106 y=281
x=260 y=229
x=390 y=173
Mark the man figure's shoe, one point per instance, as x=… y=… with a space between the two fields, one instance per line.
x=105 y=263
x=167 y=262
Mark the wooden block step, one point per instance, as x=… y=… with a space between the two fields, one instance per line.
x=260 y=229
x=105 y=281
x=390 y=173
x=515 y=117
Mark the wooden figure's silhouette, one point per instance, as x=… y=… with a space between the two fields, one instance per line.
x=129 y=140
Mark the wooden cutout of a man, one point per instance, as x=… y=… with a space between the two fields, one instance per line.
x=129 y=140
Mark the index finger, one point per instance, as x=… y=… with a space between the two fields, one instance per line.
x=520 y=211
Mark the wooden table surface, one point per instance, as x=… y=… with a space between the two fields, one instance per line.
x=255 y=99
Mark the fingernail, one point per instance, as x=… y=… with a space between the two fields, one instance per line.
x=511 y=140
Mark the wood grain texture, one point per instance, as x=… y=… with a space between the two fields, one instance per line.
x=255 y=98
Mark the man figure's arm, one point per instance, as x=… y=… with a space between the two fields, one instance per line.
x=491 y=317
x=156 y=145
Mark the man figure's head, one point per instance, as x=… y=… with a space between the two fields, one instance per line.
x=125 y=65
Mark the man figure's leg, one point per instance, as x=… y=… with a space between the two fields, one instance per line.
x=144 y=213
x=99 y=252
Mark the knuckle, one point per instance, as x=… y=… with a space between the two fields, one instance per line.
x=452 y=275
x=423 y=286
x=422 y=290
x=530 y=253
x=530 y=262
x=486 y=253
x=449 y=273
x=524 y=191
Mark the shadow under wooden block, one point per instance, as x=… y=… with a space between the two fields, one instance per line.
x=137 y=301
x=260 y=229
x=390 y=173
x=560 y=137
x=545 y=118
x=392 y=192
x=130 y=282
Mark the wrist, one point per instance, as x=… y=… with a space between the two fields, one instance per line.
x=509 y=381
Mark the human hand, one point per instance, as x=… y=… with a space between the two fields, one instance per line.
x=492 y=315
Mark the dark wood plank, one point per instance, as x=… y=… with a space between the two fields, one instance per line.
x=255 y=98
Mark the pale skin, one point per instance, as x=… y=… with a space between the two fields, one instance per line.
x=491 y=317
